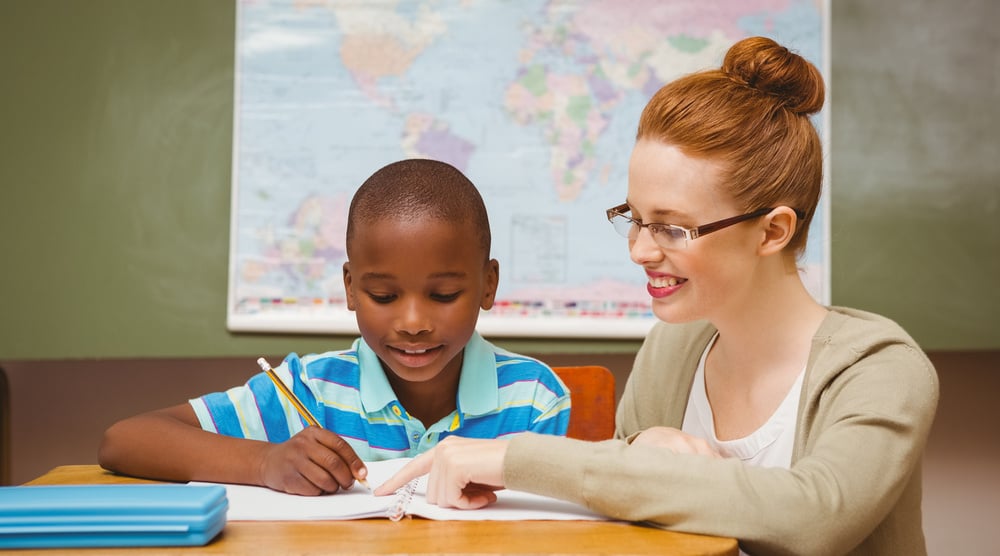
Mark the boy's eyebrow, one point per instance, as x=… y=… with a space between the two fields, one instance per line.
x=388 y=276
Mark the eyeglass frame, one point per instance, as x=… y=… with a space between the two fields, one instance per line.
x=689 y=233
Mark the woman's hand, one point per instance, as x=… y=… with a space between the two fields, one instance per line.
x=464 y=473
x=675 y=441
x=314 y=461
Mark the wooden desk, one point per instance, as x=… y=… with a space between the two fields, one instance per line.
x=413 y=536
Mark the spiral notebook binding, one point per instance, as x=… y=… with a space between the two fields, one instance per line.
x=397 y=511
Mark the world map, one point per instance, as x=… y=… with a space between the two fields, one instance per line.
x=536 y=102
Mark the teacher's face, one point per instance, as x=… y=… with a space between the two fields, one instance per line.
x=705 y=278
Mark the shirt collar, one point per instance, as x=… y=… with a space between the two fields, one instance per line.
x=376 y=393
x=477 y=386
x=478 y=392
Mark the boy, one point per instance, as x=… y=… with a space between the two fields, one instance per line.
x=418 y=273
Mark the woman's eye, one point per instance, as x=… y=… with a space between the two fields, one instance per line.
x=666 y=231
x=379 y=298
x=445 y=297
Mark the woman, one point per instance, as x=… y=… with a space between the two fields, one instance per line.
x=751 y=411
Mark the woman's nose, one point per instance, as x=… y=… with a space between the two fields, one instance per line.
x=643 y=249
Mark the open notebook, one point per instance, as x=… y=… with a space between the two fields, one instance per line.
x=250 y=503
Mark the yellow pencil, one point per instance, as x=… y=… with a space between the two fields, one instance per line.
x=291 y=397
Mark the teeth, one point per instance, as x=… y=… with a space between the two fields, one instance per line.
x=664 y=282
x=414 y=351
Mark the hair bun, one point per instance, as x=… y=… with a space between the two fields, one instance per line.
x=764 y=65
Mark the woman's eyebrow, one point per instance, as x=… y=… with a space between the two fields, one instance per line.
x=661 y=213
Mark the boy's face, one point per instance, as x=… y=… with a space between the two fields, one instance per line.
x=416 y=288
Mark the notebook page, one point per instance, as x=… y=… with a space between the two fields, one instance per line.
x=511 y=505
x=254 y=503
x=251 y=503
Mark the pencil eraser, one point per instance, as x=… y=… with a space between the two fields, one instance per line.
x=263 y=364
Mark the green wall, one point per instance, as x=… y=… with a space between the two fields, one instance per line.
x=116 y=136
x=916 y=166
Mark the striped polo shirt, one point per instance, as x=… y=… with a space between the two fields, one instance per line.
x=499 y=393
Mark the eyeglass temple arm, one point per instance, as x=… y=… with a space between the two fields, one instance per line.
x=708 y=228
x=620 y=210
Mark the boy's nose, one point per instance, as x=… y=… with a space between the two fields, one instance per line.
x=413 y=319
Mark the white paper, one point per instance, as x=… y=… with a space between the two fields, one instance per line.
x=251 y=503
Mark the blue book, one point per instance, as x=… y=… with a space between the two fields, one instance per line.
x=110 y=515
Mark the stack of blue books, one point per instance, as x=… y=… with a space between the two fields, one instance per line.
x=110 y=515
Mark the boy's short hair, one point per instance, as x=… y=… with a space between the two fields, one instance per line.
x=413 y=188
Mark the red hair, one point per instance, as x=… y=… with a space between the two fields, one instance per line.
x=753 y=114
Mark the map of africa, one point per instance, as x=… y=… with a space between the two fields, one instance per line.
x=536 y=102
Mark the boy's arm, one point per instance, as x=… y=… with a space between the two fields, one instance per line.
x=170 y=444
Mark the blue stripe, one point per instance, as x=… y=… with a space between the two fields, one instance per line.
x=223 y=414
x=272 y=414
x=302 y=391
x=511 y=370
x=345 y=423
x=378 y=435
x=333 y=368
x=508 y=421
x=394 y=438
x=557 y=424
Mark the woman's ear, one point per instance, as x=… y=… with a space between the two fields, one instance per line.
x=491 y=282
x=779 y=228
x=351 y=301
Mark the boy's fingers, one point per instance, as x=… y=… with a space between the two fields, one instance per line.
x=346 y=454
x=420 y=465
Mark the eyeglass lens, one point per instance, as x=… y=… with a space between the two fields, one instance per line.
x=665 y=236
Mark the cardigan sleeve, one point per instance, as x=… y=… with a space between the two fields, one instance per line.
x=864 y=440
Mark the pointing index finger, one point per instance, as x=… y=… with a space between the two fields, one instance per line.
x=420 y=465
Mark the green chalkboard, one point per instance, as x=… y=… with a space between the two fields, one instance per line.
x=116 y=147
x=916 y=166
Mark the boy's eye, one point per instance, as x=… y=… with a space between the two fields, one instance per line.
x=380 y=298
x=445 y=297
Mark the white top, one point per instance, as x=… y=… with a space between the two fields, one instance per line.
x=768 y=446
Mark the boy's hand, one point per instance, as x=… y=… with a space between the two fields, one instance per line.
x=314 y=461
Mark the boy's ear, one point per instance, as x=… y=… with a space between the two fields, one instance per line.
x=347 y=286
x=779 y=227
x=492 y=280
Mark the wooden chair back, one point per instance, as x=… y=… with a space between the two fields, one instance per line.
x=592 y=391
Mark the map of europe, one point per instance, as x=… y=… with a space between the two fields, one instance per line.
x=536 y=102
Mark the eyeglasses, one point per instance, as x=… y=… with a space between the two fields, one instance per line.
x=669 y=236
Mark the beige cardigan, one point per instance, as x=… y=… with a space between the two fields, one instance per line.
x=867 y=405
